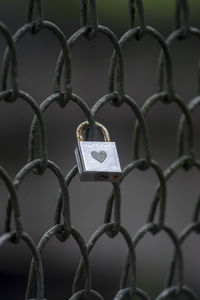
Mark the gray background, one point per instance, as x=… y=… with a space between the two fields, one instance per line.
x=37 y=56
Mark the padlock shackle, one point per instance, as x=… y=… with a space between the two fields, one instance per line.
x=79 y=131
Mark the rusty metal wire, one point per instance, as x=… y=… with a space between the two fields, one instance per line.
x=187 y=157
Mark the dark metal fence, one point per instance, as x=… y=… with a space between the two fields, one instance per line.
x=142 y=158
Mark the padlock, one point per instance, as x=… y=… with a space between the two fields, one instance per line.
x=97 y=161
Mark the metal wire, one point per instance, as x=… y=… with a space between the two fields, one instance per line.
x=187 y=158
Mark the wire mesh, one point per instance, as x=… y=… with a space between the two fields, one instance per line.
x=142 y=159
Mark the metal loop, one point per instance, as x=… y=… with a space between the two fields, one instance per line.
x=44 y=106
x=116 y=198
x=94 y=238
x=193 y=227
x=38 y=266
x=193 y=104
x=66 y=54
x=188 y=118
x=14 y=205
x=133 y=105
x=140 y=9
x=118 y=97
x=136 y=32
x=151 y=227
x=173 y=291
x=38 y=24
x=79 y=131
x=79 y=240
x=172 y=37
x=35 y=299
x=43 y=136
x=12 y=96
x=58 y=209
x=79 y=295
x=110 y=201
x=125 y=294
x=34 y=4
x=117 y=101
x=139 y=33
x=141 y=122
x=146 y=108
x=36 y=258
x=168 y=173
x=93 y=28
x=182 y=5
x=196 y=213
x=64 y=205
x=120 y=68
x=161 y=197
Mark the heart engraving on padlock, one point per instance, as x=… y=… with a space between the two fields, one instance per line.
x=99 y=156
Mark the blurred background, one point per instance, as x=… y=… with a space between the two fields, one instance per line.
x=37 y=55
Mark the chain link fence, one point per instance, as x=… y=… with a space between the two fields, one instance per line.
x=118 y=107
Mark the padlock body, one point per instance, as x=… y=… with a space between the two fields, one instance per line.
x=98 y=161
